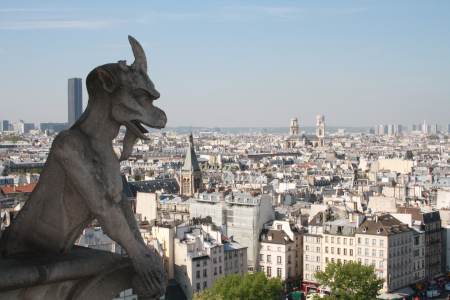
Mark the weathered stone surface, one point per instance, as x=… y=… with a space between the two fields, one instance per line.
x=80 y=274
x=81 y=178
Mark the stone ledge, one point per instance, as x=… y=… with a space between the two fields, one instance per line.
x=82 y=273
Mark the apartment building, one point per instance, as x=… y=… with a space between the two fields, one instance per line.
x=386 y=243
x=339 y=243
x=235 y=257
x=396 y=250
x=200 y=258
x=280 y=252
x=312 y=247
x=430 y=223
x=240 y=215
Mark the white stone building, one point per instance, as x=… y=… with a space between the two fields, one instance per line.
x=200 y=258
x=386 y=243
x=312 y=248
x=339 y=244
x=235 y=257
x=395 y=250
x=280 y=253
x=241 y=215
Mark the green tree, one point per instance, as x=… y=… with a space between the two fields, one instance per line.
x=254 y=286
x=350 y=281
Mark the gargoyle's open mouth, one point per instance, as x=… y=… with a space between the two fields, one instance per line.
x=137 y=128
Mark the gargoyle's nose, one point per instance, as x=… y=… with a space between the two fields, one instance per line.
x=155 y=94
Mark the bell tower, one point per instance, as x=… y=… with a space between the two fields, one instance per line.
x=294 y=128
x=320 y=129
x=191 y=174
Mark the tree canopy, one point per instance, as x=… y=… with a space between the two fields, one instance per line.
x=254 y=286
x=350 y=281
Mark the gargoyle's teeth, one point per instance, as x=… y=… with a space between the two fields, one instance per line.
x=137 y=129
x=139 y=126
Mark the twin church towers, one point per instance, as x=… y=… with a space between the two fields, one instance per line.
x=294 y=129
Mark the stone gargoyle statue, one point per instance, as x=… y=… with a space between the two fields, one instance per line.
x=81 y=180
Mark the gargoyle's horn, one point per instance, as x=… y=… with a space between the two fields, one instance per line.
x=140 y=61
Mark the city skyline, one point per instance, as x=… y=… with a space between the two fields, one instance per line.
x=294 y=149
x=233 y=65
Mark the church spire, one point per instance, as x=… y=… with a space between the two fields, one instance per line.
x=190 y=161
x=191 y=174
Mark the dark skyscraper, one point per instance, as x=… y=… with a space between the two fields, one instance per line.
x=75 y=100
x=4 y=125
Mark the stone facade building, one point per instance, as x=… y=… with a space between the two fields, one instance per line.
x=430 y=223
x=200 y=258
x=280 y=252
x=241 y=215
x=386 y=243
x=396 y=250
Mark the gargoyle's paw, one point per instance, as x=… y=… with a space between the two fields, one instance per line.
x=144 y=291
x=151 y=273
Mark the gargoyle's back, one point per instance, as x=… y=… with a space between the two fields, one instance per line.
x=51 y=219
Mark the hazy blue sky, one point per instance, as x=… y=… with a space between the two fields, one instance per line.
x=237 y=63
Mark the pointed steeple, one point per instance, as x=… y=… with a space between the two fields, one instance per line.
x=191 y=162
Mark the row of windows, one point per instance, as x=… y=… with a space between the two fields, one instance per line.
x=308 y=248
x=399 y=251
x=311 y=258
x=233 y=253
x=374 y=243
x=338 y=251
x=269 y=248
x=269 y=259
x=198 y=286
x=310 y=276
x=205 y=263
x=311 y=268
x=216 y=250
x=399 y=282
x=403 y=239
x=338 y=240
x=373 y=263
x=269 y=271
x=327 y=260
x=205 y=273
x=230 y=265
x=312 y=239
x=367 y=252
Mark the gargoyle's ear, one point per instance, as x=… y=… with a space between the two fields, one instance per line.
x=107 y=79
